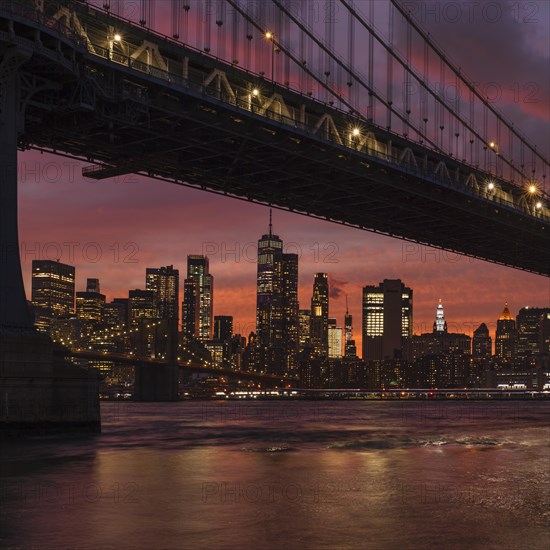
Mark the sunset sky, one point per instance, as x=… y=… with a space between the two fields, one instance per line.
x=137 y=223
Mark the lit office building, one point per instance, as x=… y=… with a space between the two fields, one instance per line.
x=334 y=340
x=287 y=269
x=277 y=324
x=53 y=292
x=216 y=350
x=141 y=307
x=506 y=337
x=529 y=323
x=440 y=325
x=268 y=313
x=115 y=323
x=115 y=314
x=90 y=304
x=223 y=333
x=387 y=320
x=190 y=308
x=439 y=341
x=350 y=350
x=319 y=315
x=198 y=271
x=223 y=328
x=304 y=326
x=164 y=282
x=482 y=343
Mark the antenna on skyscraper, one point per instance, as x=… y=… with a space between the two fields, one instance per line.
x=347 y=304
x=270 y=222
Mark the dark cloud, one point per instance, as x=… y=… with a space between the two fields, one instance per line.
x=500 y=45
x=336 y=287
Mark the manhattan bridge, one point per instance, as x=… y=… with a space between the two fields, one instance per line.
x=345 y=110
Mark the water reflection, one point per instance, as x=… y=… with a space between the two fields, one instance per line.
x=323 y=475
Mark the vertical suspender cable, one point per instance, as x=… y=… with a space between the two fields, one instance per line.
x=351 y=56
x=207 y=25
x=372 y=99
x=389 y=73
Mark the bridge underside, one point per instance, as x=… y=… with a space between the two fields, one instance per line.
x=88 y=106
x=197 y=142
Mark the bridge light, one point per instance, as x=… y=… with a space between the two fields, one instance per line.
x=269 y=35
x=255 y=92
x=538 y=205
x=532 y=189
x=491 y=186
x=355 y=132
x=492 y=145
x=117 y=37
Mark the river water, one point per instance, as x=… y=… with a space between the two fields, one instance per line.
x=291 y=475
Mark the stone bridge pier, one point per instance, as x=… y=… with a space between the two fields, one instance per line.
x=38 y=394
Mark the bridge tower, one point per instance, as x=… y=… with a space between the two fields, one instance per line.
x=13 y=304
x=37 y=393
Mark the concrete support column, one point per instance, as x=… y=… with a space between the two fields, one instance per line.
x=156 y=383
x=13 y=303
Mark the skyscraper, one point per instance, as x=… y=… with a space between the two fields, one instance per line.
x=123 y=305
x=190 y=308
x=334 y=340
x=440 y=325
x=319 y=315
x=482 y=343
x=90 y=304
x=439 y=341
x=529 y=323
x=270 y=247
x=164 y=282
x=387 y=320
x=506 y=337
x=115 y=314
x=53 y=291
x=304 y=326
x=277 y=324
x=198 y=271
x=223 y=328
x=482 y=351
x=349 y=343
x=142 y=307
x=287 y=276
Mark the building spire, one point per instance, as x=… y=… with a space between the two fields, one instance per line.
x=347 y=312
x=270 y=223
x=440 y=325
x=506 y=315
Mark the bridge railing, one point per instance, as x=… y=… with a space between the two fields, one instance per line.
x=30 y=12
x=242 y=99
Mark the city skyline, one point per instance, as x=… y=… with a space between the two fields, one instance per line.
x=339 y=293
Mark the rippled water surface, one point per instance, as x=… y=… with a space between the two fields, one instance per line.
x=291 y=475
